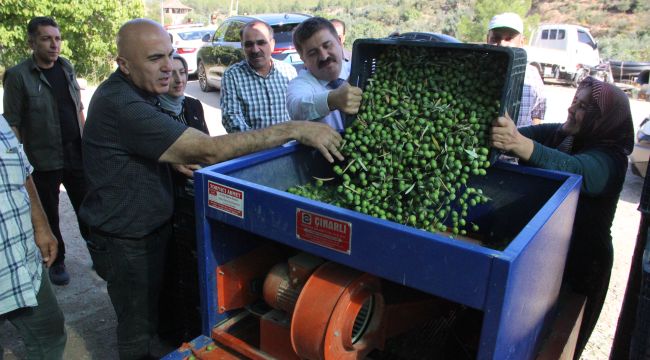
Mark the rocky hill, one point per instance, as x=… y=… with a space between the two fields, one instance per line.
x=620 y=26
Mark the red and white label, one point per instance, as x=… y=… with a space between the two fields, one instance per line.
x=323 y=230
x=226 y=199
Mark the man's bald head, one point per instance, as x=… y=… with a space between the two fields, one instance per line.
x=144 y=55
x=133 y=32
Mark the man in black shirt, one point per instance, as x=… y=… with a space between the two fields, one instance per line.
x=42 y=103
x=128 y=143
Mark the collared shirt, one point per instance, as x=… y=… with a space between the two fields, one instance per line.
x=129 y=190
x=20 y=260
x=307 y=98
x=533 y=100
x=252 y=101
x=30 y=106
x=347 y=54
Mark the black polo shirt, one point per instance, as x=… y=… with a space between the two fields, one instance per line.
x=129 y=191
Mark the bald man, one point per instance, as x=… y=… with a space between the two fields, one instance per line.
x=128 y=145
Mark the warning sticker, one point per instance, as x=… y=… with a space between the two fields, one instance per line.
x=323 y=230
x=226 y=199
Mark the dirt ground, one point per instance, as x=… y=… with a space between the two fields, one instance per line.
x=90 y=319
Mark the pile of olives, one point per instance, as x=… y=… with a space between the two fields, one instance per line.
x=421 y=132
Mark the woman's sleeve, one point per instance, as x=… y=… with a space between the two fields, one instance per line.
x=598 y=167
x=203 y=126
x=195 y=115
x=540 y=132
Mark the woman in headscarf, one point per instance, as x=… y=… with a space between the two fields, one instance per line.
x=185 y=109
x=173 y=312
x=593 y=142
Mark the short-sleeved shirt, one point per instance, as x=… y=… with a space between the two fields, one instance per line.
x=20 y=260
x=129 y=190
x=251 y=101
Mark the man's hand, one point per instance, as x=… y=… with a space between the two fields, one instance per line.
x=47 y=244
x=187 y=170
x=346 y=98
x=320 y=136
x=45 y=240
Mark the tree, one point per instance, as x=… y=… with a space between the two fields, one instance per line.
x=473 y=27
x=88 y=28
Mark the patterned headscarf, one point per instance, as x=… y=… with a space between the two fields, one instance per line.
x=607 y=122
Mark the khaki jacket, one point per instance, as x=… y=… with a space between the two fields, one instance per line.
x=30 y=106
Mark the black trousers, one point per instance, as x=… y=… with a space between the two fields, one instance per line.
x=133 y=270
x=47 y=185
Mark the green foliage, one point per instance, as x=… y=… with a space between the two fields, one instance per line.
x=388 y=15
x=619 y=5
x=596 y=18
x=409 y=14
x=88 y=28
x=630 y=47
x=367 y=29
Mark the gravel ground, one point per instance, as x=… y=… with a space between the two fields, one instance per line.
x=90 y=320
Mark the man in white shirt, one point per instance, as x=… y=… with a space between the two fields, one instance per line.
x=321 y=92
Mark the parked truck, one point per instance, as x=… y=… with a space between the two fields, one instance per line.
x=563 y=51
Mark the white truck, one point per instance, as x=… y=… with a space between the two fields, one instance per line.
x=563 y=51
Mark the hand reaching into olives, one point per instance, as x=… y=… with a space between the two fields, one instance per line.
x=506 y=137
x=320 y=136
x=346 y=98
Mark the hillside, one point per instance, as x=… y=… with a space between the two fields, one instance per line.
x=620 y=26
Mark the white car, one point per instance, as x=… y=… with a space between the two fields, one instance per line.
x=187 y=41
x=641 y=153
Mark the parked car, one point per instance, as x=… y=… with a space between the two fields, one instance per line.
x=629 y=70
x=424 y=36
x=643 y=77
x=224 y=47
x=641 y=153
x=187 y=40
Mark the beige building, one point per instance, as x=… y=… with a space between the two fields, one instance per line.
x=176 y=11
